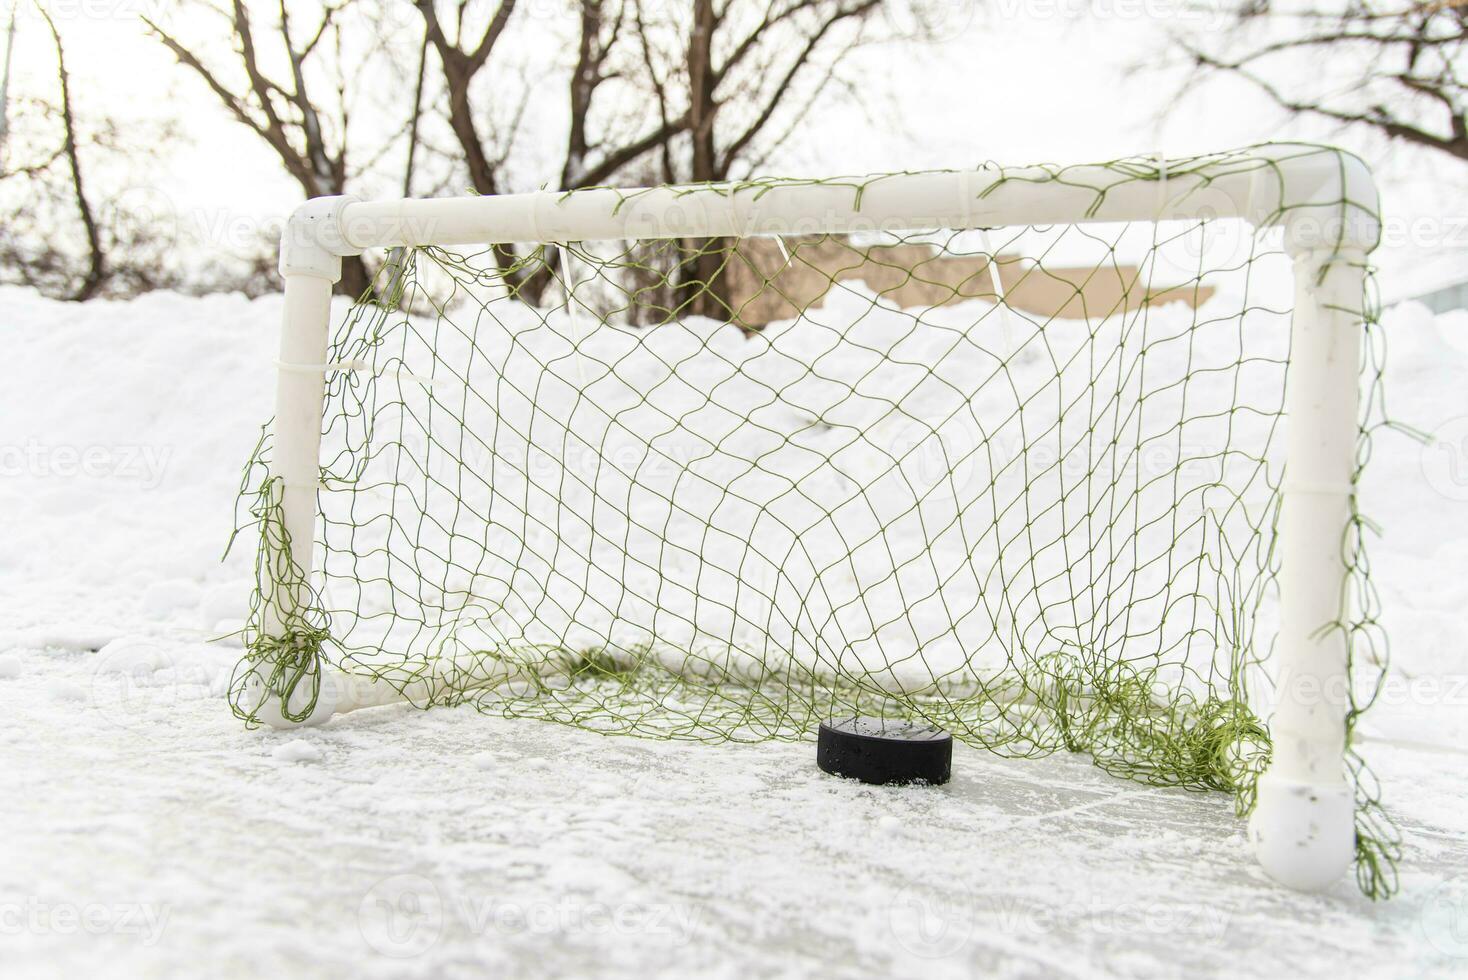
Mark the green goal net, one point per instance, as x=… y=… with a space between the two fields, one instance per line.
x=1019 y=482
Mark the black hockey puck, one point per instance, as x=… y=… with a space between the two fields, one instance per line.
x=885 y=751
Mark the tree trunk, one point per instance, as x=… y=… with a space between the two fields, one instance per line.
x=699 y=287
x=355 y=280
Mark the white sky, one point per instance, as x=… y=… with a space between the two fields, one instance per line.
x=1018 y=81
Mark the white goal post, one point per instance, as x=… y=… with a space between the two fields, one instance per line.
x=1302 y=826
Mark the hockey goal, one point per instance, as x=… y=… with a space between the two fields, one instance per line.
x=1055 y=457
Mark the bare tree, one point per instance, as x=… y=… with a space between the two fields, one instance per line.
x=5 y=80
x=780 y=58
x=462 y=57
x=602 y=140
x=743 y=75
x=698 y=92
x=96 y=272
x=54 y=240
x=1392 y=68
x=415 y=119
x=285 y=82
x=598 y=145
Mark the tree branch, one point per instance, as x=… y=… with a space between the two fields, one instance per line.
x=97 y=266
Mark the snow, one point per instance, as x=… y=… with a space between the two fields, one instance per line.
x=145 y=833
x=135 y=655
x=297 y=750
x=1414 y=272
x=60 y=689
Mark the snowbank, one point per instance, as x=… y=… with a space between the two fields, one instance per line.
x=393 y=843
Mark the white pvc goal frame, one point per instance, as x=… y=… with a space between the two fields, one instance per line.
x=1302 y=827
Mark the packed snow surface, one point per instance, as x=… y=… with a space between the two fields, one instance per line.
x=144 y=833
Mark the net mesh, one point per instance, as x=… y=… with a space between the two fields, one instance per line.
x=1021 y=483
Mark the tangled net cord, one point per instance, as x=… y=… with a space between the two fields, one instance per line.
x=769 y=489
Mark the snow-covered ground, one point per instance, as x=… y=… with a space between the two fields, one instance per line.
x=144 y=833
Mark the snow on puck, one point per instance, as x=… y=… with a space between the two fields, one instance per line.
x=885 y=751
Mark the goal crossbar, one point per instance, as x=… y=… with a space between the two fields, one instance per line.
x=1327 y=199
